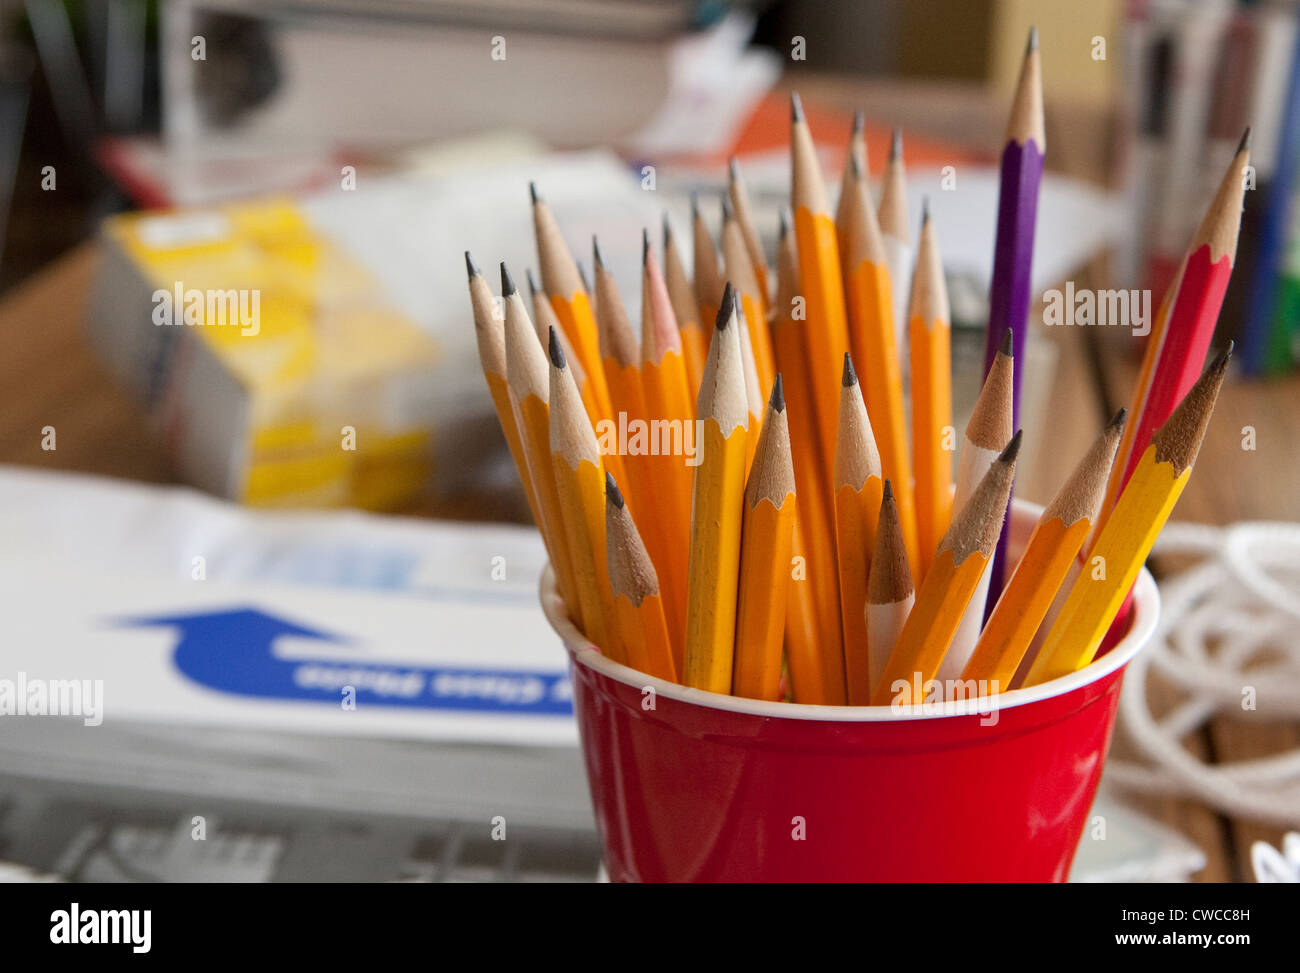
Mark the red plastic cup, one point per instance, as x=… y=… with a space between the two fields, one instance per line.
x=694 y=786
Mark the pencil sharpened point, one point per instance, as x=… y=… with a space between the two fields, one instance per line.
x=889 y=492
x=471 y=267
x=733 y=169
x=848 y=377
x=533 y=194
x=1009 y=454
x=534 y=288
x=796 y=108
x=555 y=349
x=925 y=210
x=727 y=308
x=695 y=205
x=777 y=400
x=783 y=224
x=1222 y=358
x=1008 y=344
x=645 y=246
x=859 y=121
x=1117 y=420
x=1244 y=144
x=612 y=492
x=1032 y=45
x=507 y=282
x=668 y=232
x=896 y=145
x=727 y=212
x=597 y=260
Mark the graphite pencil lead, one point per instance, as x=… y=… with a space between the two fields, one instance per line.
x=1009 y=454
x=896 y=145
x=533 y=194
x=848 y=378
x=727 y=308
x=859 y=121
x=1006 y=347
x=596 y=258
x=557 y=353
x=777 y=401
x=1117 y=420
x=1244 y=144
x=507 y=282
x=470 y=266
x=612 y=492
x=796 y=108
x=1033 y=40
x=534 y=288
x=645 y=246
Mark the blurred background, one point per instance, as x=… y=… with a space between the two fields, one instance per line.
x=338 y=156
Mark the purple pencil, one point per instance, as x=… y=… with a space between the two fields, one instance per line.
x=1013 y=254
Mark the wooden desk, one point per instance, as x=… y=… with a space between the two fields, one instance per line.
x=50 y=377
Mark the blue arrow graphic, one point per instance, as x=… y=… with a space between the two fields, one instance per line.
x=232 y=651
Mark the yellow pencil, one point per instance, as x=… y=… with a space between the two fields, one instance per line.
x=1130 y=532
x=716 y=510
x=638 y=606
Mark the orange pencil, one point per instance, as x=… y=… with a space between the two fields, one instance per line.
x=964 y=554
x=671 y=414
x=740 y=271
x=638 y=607
x=857 y=154
x=933 y=436
x=569 y=296
x=744 y=216
x=695 y=346
x=708 y=277
x=869 y=296
x=1057 y=538
x=815 y=579
x=529 y=388
x=767 y=539
x=821 y=286
x=489 y=332
x=858 y=489
x=580 y=485
x=544 y=320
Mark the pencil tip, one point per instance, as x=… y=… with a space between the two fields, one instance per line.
x=695 y=205
x=557 y=353
x=925 y=210
x=849 y=377
x=612 y=493
x=470 y=266
x=728 y=213
x=733 y=169
x=727 y=308
x=1221 y=359
x=507 y=282
x=1008 y=343
x=1244 y=144
x=1117 y=420
x=668 y=231
x=859 y=121
x=533 y=287
x=533 y=194
x=854 y=169
x=1013 y=448
x=782 y=223
x=896 y=146
x=1033 y=40
x=597 y=260
x=889 y=491
x=796 y=108
x=777 y=400
x=582 y=275
x=645 y=246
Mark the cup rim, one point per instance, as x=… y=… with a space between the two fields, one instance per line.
x=1145 y=617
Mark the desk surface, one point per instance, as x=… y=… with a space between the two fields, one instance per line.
x=50 y=377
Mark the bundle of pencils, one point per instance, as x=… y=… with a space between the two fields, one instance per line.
x=773 y=527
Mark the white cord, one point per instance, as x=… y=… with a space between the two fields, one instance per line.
x=1229 y=640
